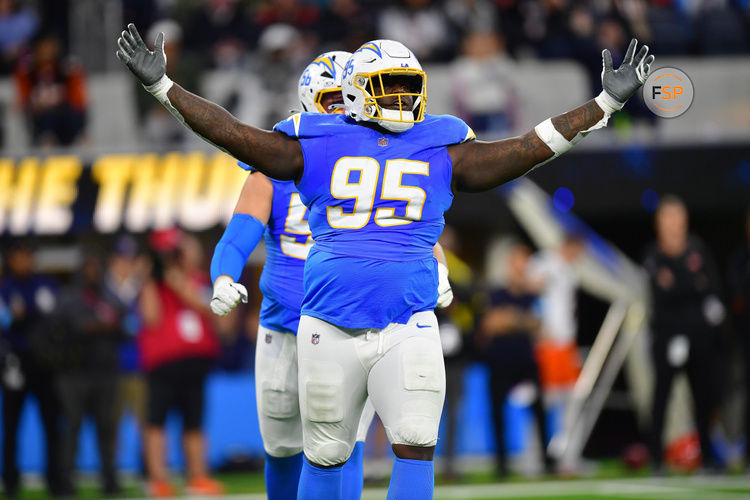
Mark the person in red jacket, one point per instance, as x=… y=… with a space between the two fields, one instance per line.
x=178 y=347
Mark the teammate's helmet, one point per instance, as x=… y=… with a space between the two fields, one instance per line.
x=362 y=85
x=322 y=76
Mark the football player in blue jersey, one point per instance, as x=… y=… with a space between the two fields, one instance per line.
x=273 y=210
x=377 y=182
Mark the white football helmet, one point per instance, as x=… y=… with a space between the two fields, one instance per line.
x=362 y=86
x=320 y=77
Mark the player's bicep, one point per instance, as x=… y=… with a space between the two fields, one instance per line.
x=479 y=165
x=256 y=197
x=273 y=153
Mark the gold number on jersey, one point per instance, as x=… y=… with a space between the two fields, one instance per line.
x=357 y=178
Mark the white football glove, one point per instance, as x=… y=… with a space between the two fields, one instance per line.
x=227 y=294
x=445 y=293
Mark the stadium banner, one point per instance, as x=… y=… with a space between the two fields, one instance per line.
x=58 y=195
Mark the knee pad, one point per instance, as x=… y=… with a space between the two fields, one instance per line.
x=279 y=404
x=323 y=391
x=417 y=425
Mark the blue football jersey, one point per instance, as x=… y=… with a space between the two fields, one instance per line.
x=376 y=204
x=288 y=241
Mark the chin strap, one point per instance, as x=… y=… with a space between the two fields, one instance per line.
x=390 y=124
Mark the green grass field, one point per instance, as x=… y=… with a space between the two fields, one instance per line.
x=610 y=482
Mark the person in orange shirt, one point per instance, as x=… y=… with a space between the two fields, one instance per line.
x=52 y=94
x=554 y=274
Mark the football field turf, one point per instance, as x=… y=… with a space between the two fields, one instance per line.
x=249 y=486
x=683 y=488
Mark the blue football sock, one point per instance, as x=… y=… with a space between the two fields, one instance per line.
x=351 y=488
x=282 y=476
x=316 y=483
x=411 y=480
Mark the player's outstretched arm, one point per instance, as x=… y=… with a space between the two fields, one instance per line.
x=272 y=153
x=479 y=165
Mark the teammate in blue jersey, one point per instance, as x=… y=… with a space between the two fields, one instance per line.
x=273 y=210
x=377 y=182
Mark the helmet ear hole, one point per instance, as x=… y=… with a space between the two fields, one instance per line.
x=351 y=97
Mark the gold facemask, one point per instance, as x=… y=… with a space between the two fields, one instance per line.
x=372 y=84
x=319 y=99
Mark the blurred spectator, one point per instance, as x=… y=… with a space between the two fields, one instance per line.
x=484 y=96
x=739 y=287
x=671 y=27
x=685 y=307
x=455 y=323
x=422 y=26
x=511 y=25
x=142 y=13
x=506 y=340
x=91 y=317
x=584 y=46
x=345 y=25
x=220 y=32
x=124 y=279
x=471 y=16
x=159 y=127
x=635 y=14
x=553 y=273
x=300 y=14
x=237 y=333
x=178 y=348
x=29 y=299
x=281 y=53
x=721 y=29
x=17 y=27
x=52 y=93
x=548 y=29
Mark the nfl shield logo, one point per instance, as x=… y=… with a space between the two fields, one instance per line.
x=315 y=338
x=382 y=141
x=268 y=338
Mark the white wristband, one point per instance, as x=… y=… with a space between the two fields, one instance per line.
x=608 y=103
x=160 y=89
x=552 y=138
x=442 y=270
x=221 y=280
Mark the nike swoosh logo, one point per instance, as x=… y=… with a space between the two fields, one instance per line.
x=422 y=326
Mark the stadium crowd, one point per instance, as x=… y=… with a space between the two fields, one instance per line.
x=275 y=39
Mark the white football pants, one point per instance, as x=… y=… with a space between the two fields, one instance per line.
x=399 y=367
